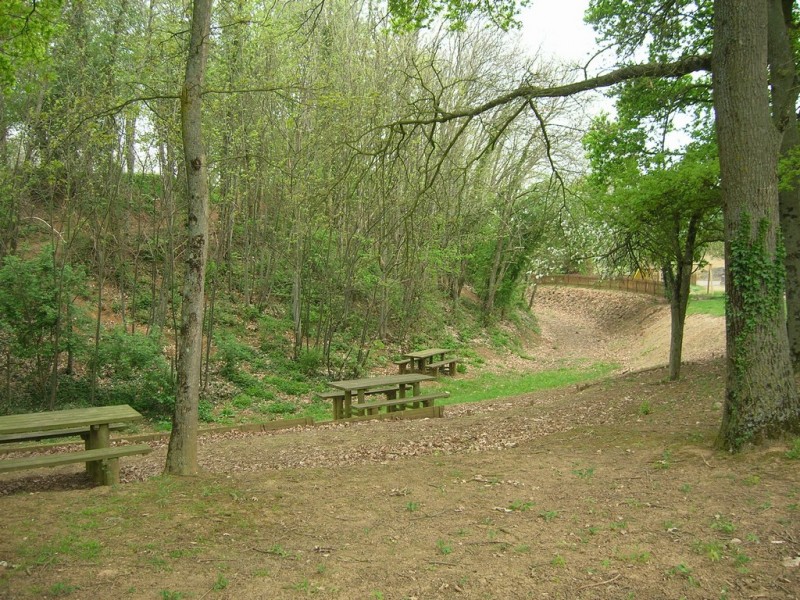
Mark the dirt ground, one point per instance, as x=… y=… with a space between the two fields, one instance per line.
x=608 y=491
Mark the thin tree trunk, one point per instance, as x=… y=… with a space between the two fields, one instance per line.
x=182 y=451
x=761 y=396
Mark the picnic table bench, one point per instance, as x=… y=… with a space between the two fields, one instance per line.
x=394 y=386
x=92 y=424
x=393 y=404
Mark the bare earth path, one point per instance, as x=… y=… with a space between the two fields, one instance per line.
x=609 y=491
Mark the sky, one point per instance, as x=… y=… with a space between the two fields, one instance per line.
x=557 y=28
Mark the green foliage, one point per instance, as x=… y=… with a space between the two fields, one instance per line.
x=25 y=28
x=409 y=15
x=758 y=281
x=794 y=452
x=231 y=353
x=133 y=370
x=37 y=314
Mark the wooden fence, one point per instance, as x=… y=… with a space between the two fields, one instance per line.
x=638 y=286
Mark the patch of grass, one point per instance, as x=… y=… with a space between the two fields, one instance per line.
x=712 y=550
x=558 y=561
x=665 y=462
x=412 y=506
x=620 y=525
x=170 y=595
x=681 y=570
x=444 y=547
x=794 y=452
x=641 y=557
x=586 y=473
x=723 y=525
x=221 y=583
x=488 y=386
x=520 y=505
x=707 y=305
x=548 y=515
x=62 y=589
x=644 y=408
x=751 y=480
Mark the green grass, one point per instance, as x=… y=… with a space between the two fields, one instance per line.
x=489 y=386
x=707 y=305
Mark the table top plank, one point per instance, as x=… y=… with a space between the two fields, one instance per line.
x=426 y=353
x=371 y=382
x=63 y=419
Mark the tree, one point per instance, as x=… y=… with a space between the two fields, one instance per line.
x=182 y=451
x=761 y=397
x=661 y=212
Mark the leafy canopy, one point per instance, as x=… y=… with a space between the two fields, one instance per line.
x=410 y=15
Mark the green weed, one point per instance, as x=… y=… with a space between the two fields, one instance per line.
x=723 y=525
x=665 y=462
x=586 y=473
x=548 y=515
x=444 y=547
x=221 y=583
x=644 y=408
x=713 y=550
x=520 y=505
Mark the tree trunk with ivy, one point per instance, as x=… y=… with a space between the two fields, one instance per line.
x=761 y=396
x=182 y=452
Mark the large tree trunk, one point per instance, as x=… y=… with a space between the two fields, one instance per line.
x=783 y=80
x=182 y=452
x=761 y=397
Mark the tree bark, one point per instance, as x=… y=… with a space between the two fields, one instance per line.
x=783 y=81
x=182 y=452
x=761 y=396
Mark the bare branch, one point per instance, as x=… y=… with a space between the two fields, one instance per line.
x=529 y=92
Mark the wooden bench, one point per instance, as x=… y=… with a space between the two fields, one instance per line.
x=106 y=460
x=447 y=366
x=11 y=438
x=371 y=408
x=403 y=364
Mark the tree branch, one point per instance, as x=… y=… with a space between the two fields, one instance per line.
x=679 y=68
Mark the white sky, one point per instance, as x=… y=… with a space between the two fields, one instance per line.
x=556 y=28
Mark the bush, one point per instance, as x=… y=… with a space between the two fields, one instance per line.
x=133 y=370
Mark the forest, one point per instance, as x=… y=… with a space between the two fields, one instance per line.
x=362 y=166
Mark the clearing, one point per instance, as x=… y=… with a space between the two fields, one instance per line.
x=607 y=490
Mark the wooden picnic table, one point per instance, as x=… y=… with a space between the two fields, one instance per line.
x=360 y=387
x=420 y=358
x=93 y=424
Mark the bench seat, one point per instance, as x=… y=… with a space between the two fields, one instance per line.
x=402 y=364
x=447 y=365
x=398 y=403
x=392 y=389
x=55 y=433
x=106 y=456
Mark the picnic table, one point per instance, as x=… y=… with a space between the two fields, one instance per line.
x=92 y=424
x=424 y=361
x=395 y=387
